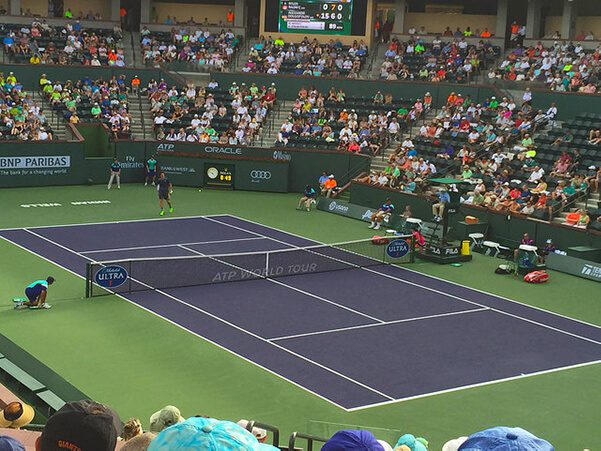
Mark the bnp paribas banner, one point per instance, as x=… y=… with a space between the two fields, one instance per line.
x=343 y=208
x=32 y=165
x=575 y=266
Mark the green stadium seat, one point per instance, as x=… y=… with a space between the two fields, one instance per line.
x=24 y=378
x=51 y=399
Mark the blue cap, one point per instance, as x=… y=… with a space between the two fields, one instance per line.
x=505 y=439
x=10 y=444
x=207 y=434
x=351 y=439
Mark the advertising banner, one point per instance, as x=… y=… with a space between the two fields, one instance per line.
x=41 y=164
x=248 y=175
x=575 y=266
x=132 y=157
x=217 y=150
x=343 y=208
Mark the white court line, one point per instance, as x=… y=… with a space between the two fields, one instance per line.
x=171 y=218
x=214 y=343
x=306 y=293
x=404 y=268
x=305 y=388
x=308 y=360
x=387 y=323
x=580 y=337
x=159 y=246
x=477 y=385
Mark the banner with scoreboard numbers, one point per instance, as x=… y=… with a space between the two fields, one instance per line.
x=315 y=16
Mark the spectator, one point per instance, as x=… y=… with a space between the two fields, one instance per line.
x=329 y=186
x=131 y=429
x=259 y=433
x=10 y=444
x=16 y=415
x=81 y=425
x=167 y=416
x=381 y=214
x=207 y=433
x=139 y=443
x=195 y=46
x=350 y=440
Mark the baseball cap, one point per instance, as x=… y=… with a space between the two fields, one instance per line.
x=453 y=445
x=506 y=439
x=167 y=416
x=352 y=440
x=411 y=442
x=82 y=424
x=16 y=415
x=207 y=434
x=10 y=444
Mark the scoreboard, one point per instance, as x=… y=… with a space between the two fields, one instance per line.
x=315 y=16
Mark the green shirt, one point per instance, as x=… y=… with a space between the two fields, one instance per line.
x=38 y=282
x=96 y=110
x=151 y=164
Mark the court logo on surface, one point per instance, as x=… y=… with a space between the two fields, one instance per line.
x=397 y=248
x=111 y=276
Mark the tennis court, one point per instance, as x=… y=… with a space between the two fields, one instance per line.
x=357 y=337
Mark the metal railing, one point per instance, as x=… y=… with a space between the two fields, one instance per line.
x=275 y=432
x=311 y=439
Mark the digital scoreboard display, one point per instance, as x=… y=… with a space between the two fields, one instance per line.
x=315 y=17
x=219 y=175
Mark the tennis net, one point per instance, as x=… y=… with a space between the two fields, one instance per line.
x=140 y=274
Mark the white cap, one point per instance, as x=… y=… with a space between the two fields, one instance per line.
x=259 y=433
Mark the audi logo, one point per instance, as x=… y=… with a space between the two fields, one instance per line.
x=260 y=175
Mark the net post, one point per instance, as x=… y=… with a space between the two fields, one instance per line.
x=266 y=264
x=88 y=279
x=129 y=276
x=412 y=250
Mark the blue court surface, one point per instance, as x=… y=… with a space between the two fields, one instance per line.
x=358 y=337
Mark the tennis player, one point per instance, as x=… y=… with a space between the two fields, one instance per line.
x=165 y=190
x=378 y=216
x=36 y=294
x=151 y=170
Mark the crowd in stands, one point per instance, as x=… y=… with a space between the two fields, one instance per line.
x=334 y=120
x=195 y=46
x=42 y=43
x=21 y=118
x=565 y=66
x=491 y=147
x=308 y=57
x=212 y=115
x=453 y=60
x=88 y=425
x=89 y=100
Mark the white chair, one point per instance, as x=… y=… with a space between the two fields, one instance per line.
x=493 y=248
x=414 y=222
x=476 y=240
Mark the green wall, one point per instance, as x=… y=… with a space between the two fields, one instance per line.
x=501 y=227
x=288 y=86
x=29 y=74
x=96 y=140
x=568 y=105
x=89 y=161
x=249 y=174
